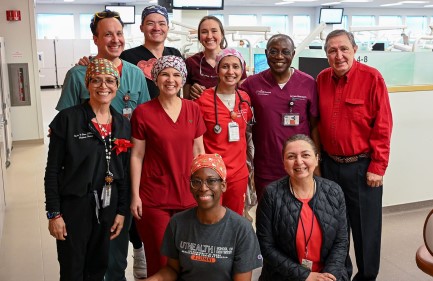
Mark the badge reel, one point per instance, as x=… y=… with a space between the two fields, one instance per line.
x=127 y=111
x=290 y=119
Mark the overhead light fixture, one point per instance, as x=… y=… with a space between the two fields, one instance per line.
x=392 y=4
x=330 y=3
x=356 y=1
x=428 y=6
x=304 y=0
x=283 y=3
x=414 y=2
x=68 y=0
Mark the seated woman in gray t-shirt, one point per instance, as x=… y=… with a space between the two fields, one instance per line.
x=209 y=242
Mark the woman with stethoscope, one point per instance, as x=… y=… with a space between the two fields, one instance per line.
x=227 y=114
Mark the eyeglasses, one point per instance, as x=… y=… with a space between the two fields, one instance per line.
x=211 y=183
x=109 y=82
x=205 y=75
x=284 y=52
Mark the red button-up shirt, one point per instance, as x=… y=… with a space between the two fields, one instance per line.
x=355 y=115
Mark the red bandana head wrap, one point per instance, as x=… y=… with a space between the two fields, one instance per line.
x=212 y=161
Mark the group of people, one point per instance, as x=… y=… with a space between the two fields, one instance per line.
x=125 y=144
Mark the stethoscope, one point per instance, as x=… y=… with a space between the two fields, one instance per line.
x=217 y=128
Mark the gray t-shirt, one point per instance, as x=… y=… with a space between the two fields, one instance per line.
x=211 y=252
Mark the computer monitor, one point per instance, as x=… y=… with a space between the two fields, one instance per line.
x=312 y=66
x=331 y=15
x=260 y=63
x=378 y=47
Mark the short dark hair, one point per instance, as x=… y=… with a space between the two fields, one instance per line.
x=339 y=32
x=105 y=14
x=280 y=36
x=223 y=43
x=300 y=137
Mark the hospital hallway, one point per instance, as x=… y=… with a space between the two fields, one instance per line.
x=28 y=252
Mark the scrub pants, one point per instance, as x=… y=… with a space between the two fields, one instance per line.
x=117 y=261
x=364 y=213
x=84 y=253
x=234 y=197
x=151 y=228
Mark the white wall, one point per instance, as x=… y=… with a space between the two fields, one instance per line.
x=20 y=42
x=409 y=176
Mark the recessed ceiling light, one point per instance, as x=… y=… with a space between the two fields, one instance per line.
x=68 y=0
x=330 y=3
x=392 y=4
x=283 y=3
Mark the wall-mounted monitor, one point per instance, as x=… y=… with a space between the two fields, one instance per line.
x=126 y=12
x=198 y=4
x=312 y=66
x=331 y=15
x=260 y=63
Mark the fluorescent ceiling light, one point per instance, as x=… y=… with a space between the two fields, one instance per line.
x=414 y=2
x=330 y=3
x=304 y=0
x=283 y=3
x=392 y=4
x=428 y=6
x=68 y=0
x=356 y=1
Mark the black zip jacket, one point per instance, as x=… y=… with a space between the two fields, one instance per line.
x=277 y=222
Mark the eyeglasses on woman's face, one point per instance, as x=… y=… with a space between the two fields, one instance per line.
x=211 y=183
x=109 y=82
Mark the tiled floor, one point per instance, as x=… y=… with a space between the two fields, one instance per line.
x=27 y=251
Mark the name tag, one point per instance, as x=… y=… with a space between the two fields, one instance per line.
x=127 y=112
x=233 y=132
x=290 y=119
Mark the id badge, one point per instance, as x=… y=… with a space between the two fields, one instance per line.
x=233 y=132
x=290 y=119
x=127 y=112
x=106 y=195
x=307 y=264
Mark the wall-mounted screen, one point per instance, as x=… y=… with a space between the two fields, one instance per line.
x=126 y=12
x=312 y=66
x=331 y=15
x=260 y=63
x=198 y=4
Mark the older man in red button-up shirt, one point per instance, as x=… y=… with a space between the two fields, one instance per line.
x=355 y=132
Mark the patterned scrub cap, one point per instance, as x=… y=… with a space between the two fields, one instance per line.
x=101 y=66
x=229 y=52
x=152 y=10
x=167 y=62
x=212 y=161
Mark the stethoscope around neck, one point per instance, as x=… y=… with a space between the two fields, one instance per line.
x=217 y=127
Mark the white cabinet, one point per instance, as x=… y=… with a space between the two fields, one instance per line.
x=57 y=56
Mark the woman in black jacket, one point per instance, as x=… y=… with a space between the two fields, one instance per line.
x=87 y=177
x=301 y=221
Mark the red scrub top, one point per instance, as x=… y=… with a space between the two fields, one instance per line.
x=169 y=151
x=234 y=153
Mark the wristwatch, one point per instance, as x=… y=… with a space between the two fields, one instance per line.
x=52 y=215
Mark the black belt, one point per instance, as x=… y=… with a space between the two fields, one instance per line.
x=348 y=159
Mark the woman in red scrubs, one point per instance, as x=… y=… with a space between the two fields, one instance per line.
x=227 y=114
